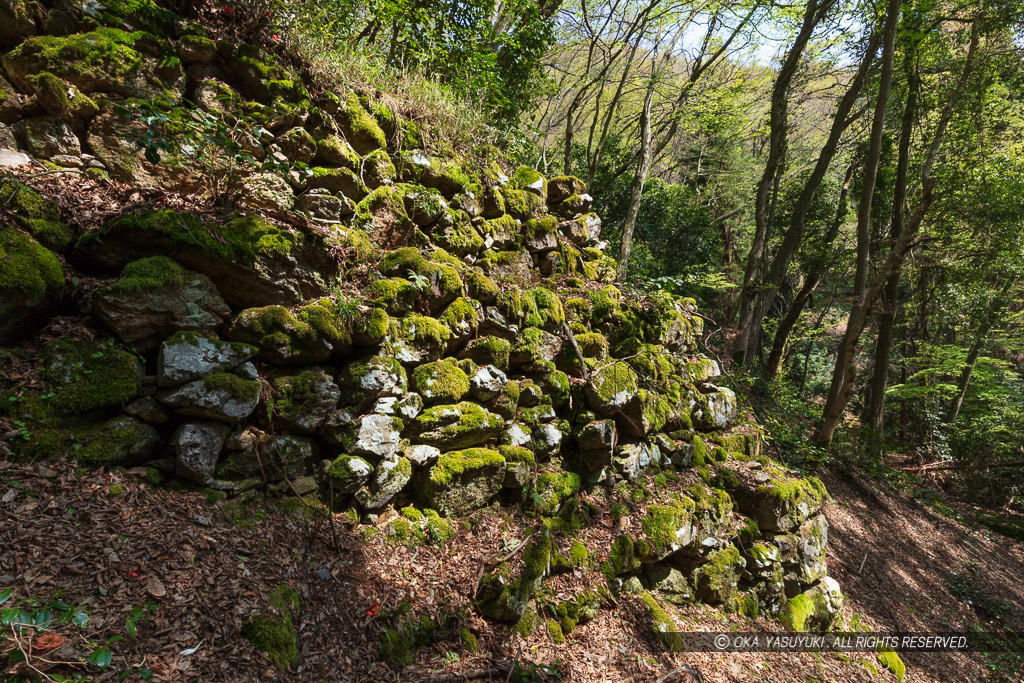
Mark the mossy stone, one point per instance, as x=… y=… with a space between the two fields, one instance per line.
x=359 y=126
x=274 y=632
x=84 y=377
x=120 y=441
x=461 y=481
x=37 y=215
x=30 y=280
x=440 y=382
x=280 y=336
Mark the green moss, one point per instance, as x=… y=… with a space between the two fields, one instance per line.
x=551 y=489
x=440 y=382
x=555 y=632
x=332 y=321
x=396 y=295
x=518 y=454
x=120 y=441
x=613 y=381
x=244 y=238
x=715 y=581
x=662 y=626
x=521 y=204
x=622 y=557
x=527 y=623
x=35 y=214
x=104 y=58
x=460 y=317
x=507 y=402
x=606 y=304
x=275 y=633
x=344 y=476
x=275 y=330
x=62 y=101
x=371 y=328
x=87 y=377
x=154 y=272
x=489 y=351
x=153 y=476
x=400 y=262
x=545 y=310
x=578 y=555
x=453 y=464
x=420 y=327
x=666 y=526
x=504 y=596
x=891 y=661
x=469 y=640
x=29 y=269
x=360 y=127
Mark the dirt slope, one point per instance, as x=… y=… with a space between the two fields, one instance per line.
x=116 y=548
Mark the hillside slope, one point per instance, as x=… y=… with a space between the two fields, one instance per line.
x=294 y=392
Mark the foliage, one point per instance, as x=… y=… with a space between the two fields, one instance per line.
x=35 y=626
x=222 y=144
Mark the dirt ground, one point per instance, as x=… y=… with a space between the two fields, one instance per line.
x=197 y=573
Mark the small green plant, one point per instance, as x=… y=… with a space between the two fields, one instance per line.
x=223 y=145
x=36 y=626
x=420 y=282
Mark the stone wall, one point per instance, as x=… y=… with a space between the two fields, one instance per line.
x=419 y=330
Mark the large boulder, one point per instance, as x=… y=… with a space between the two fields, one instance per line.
x=611 y=389
x=220 y=396
x=389 y=477
x=155 y=298
x=187 y=356
x=816 y=609
x=440 y=382
x=120 y=441
x=197 y=446
x=450 y=427
x=462 y=481
x=364 y=382
x=46 y=137
x=280 y=336
x=104 y=60
x=714 y=408
x=251 y=261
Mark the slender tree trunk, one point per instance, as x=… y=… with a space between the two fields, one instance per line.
x=794 y=233
x=875 y=413
x=845 y=368
x=777 y=126
x=812 y=280
x=964 y=381
x=637 y=191
x=842 y=378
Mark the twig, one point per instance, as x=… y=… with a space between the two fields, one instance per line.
x=515 y=660
x=576 y=348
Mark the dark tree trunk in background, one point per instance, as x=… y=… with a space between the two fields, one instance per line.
x=875 y=414
x=812 y=280
x=637 y=191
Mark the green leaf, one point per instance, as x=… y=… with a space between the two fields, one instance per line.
x=5 y=595
x=101 y=658
x=80 y=619
x=129 y=625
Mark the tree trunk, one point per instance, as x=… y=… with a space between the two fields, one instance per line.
x=845 y=368
x=637 y=191
x=813 y=278
x=776 y=149
x=843 y=377
x=794 y=233
x=964 y=380
x=875 y=414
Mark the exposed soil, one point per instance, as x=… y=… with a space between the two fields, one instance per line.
x=207 y=575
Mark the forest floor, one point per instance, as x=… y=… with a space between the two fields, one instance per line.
x=195 y=571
